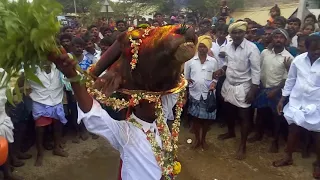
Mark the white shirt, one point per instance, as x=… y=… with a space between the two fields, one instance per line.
x=201 y=74
x=273 y=70
x=294 y=41
x=168 y=102
x=216 y=49
x=52 y=92
x=243 y=63
x=135 y=150
x=303 y=87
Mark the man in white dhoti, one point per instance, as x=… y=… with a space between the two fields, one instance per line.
x=303 y=109
x=242 y=71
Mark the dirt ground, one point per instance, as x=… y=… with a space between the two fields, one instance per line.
x=95 y=159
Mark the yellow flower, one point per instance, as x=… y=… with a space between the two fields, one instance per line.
x=176 y=168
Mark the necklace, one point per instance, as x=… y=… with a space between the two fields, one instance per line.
x=166 y=156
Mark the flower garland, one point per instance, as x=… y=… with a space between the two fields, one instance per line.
x=166 y=156
x=135 y=46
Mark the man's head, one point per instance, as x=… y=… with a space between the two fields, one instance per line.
x=89 y=45
x=313 y=47
x=237 y=32
x=204 y=44
x=275 y=11
x=158 y=17
x=280 y=22
x=67 y=30
x=181 y=19
x=204 y=26
x=310 y=19
x=155 y=24
x=279 y=38
x=121 y=26
x=294 y=24
x=77 y=46
x=93 y=29
x=222 y=20
x=267 y=37
x=222 y=32
x=302 y=43
x=65 y=41
x=308 y=29
x=105 y=43
x=107 y=32
x=83 y=31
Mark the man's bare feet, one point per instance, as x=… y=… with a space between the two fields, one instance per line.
x=274 y=148
x=226 y=136
x=24 y=156
x=241 y=154
x=196 y=145
x=60 y=152
x=76 y=140
x=283 y=162
x=84 y=136
x=204 y=145
x=15 y=162
x=39 y=161
x=256 y=137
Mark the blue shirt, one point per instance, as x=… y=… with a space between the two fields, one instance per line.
x=86 y=61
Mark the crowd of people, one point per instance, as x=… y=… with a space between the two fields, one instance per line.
x=271 y=69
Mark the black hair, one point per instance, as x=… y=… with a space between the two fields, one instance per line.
x=107 y=41
x=107 y=29
x=63 y=29
x=312 y=39
x=282 y=20
x=319 y=17
x=222 y=19
x=306 y=25
x=157 y=14
x=277 y=9
x=205 y=22
x=65 y=36
x=294 y=19
x=92 y=26
x=223 y=28
x=311 y=16
x=79 y=41
x=120 y=21
x=87 y=37
x=302 y=37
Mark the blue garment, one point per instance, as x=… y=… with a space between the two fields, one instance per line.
x=293 y=51
x=86 y=62
x=260 y=46
x=55 y=112
x=198 y=109
x=262 y=100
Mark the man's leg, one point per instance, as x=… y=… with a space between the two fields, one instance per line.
x=230 y=114
x=57 y=134
x=277 y=120
x=21 y=129
x=260 y=122
x=205 y=126
x=39 y=141
x=316 y=164
x=246 y=116
x=196 y=128
x=305 y=143
x=293 y=137
x=8 y=173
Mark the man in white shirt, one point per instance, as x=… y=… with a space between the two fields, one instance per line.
x=293 y=26
x=47 y=108
x=242 y=71
x=303 y=109
x=274 y=67
x=198 y=71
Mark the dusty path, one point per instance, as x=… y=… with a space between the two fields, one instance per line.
x=96 y=160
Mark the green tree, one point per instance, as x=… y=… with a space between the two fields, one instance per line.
x=83 y=6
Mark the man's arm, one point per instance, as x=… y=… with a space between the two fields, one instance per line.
x=255 y=63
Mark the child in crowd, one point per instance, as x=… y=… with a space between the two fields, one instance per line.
x=274 y=12
x=308 y=29
x=105 y=43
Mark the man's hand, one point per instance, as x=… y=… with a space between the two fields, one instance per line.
x=272 y=93
x=108 y=83
x=210 y=53
x=213 y=86
x=190 y=81
x=218 y=74
x=280 y=106
x=287 y=63
x=65 y=64
x=252 y=94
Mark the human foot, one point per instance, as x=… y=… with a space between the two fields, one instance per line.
x=226 y=136
x=241 y=154
x=39 y=161
x=95 y=136
x=255 y=138
x=204 y=146
x=76 y=140
x=24 y=156
x=84 y=136
x=283 y=162
x=274 y=148
x=48 y=146
x=16 y=162
x=316 y=170
x=196 y=145
x=60 y=152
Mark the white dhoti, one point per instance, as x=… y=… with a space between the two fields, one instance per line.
x=236 y=94
x=306 y=117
